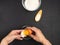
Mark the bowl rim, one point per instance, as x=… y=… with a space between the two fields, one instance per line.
x=28 y=9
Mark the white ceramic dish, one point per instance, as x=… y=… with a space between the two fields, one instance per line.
x=31 y=5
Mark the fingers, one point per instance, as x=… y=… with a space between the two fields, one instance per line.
x=31 y=28
x=16 y=31
x=15 y=34
x=34 y=29
x=19 y=37
x=32 y=36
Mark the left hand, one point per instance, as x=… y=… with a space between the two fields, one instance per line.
x=15 y=34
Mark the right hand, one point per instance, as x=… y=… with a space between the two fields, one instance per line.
x=39 y=37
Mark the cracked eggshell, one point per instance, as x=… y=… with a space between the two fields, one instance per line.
x=26 y=32
x=22 y=34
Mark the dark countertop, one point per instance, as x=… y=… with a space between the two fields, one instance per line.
x=13 y=16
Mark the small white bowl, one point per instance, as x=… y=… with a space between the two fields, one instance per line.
x=31 y=5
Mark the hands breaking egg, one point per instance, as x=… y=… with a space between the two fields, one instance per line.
x=26 y=32
x=29 y=31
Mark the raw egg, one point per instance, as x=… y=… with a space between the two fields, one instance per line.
x=26 y=32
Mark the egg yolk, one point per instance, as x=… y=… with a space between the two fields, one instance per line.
x=27 y=31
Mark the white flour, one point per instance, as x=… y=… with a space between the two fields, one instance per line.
x=32 y=4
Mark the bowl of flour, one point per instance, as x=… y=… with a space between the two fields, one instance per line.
x=31 y=5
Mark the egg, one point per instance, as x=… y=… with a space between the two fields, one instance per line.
x=38 y=16
x=26 y=32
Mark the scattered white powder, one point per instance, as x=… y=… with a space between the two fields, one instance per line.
x=32 y=4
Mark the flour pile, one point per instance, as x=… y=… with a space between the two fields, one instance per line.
x=32 y=4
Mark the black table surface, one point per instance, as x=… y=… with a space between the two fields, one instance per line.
x=13 y=16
